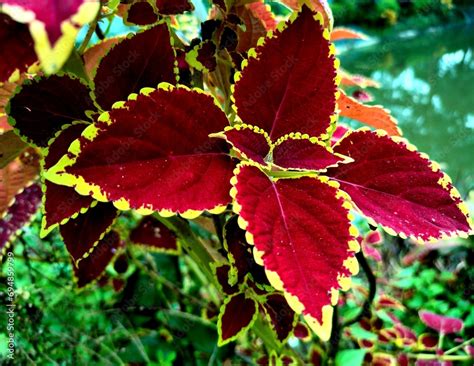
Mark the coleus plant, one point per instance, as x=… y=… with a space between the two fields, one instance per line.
x=267 y=146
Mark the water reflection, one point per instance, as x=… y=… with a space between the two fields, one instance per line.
x=428 y=83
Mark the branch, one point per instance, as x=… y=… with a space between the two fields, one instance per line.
x=366 y=308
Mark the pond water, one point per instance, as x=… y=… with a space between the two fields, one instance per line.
x=428 y=84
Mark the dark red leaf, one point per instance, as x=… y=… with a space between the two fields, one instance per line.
x=237 y=250
x=252 y=143
x=289 y=84
x=301 y=331
x=141 y=13
x=60 y=202
x=321 y=6
x=273 y=213
x=236 y=315
x=93 y=55
x=222 y=273
x=152 y=234
x=171 y=7
x=141 y=60
x=443 y=324
x=203 y=56
x=92 y=267
x=83 y=233
x=41 y=107
x=19 y=214
x=428 y=341
x=282 y=317
x=398 y=187
x=305 y=154
x=166 y=161
x=17 y=51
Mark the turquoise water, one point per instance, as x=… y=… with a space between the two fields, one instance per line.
x=428 y=83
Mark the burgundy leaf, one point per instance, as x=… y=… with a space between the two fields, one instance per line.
x=252 y=143
x=289 y=85
x=305 y=154
x=83 y=233
x=60 y=202
x=17 y=51
x=237 y=249
x=428 y=341
x=398 y=187
x=141 y=60
x=203 y=56
x=273 y=213
x=42 y=107
x=222 y=273
x=301 y=331
x=166 y=162
x=19 y=214
x=152 y=234
x=92 y=267
x=141 y=13
x=236 y=315
x=282 y=317
x=171 y=7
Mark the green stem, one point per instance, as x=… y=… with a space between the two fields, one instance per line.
x=193 y=246
x=459 y=346
x=429 y=356
x=289 y=174
x=89 y=34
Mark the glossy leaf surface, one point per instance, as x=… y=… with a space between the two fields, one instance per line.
x=142 y=60
x=83 y=233
x=278 y=92
x=43 y=106
x=166 y=161
x=309 y=263
x=399 y=188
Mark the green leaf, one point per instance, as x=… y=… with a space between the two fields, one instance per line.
x=360 y=333
x=350 y=357
x=10 y=147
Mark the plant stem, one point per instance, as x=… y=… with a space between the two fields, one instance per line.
x=335 y=335
x=366 y=308
x=432 y=356
x=89 y=34
x=219 y=228
x=193 y=246
x=459 y=346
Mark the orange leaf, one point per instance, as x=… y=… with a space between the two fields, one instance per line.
x=340 y=33
x=372 y=115
x=13 y=178
x=348 y=79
